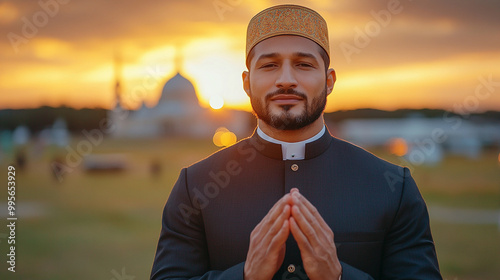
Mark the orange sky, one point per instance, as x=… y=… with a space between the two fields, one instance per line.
x=388 y=54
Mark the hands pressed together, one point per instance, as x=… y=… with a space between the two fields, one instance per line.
x=294 y=214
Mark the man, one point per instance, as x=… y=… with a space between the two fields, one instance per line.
x=291 y=201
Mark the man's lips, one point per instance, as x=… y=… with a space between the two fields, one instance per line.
x=286 y=99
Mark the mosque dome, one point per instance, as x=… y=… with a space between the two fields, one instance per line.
x=178 y=90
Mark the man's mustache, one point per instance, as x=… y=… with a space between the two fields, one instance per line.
x=289 y=91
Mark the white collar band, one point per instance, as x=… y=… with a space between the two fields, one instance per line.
x=292 y=150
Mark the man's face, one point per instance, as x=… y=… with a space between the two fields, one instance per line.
x=286 y=82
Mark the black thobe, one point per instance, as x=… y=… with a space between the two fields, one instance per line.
x=374 y=208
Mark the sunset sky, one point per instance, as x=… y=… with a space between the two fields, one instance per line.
x=388 y=54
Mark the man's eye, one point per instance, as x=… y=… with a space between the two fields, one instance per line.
x=268 y=65
x=304 y=65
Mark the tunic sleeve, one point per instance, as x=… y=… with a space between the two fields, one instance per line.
x=182 y=250
x=409 y=251
x=352 y=273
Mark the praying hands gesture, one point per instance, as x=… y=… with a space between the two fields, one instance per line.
x=292 y=213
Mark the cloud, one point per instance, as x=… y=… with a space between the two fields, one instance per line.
x=446 y=25
x=471 y=12
x=81 y=37
x=419 y=30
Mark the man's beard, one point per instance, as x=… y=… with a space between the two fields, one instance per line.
x=286 y=120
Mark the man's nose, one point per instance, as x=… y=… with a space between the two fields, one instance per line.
x=286 y=77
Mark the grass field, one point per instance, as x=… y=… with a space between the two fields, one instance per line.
x=105 y=226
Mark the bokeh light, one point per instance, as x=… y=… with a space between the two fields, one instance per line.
x=398 y=146
x=224 y=138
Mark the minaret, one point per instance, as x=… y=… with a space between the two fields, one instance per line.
x=118 y=113
x=118 y=77
x=178 y=60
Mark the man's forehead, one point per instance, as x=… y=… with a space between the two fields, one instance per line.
x=286 y=46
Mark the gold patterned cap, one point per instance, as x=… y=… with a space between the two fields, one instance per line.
x=287 y=20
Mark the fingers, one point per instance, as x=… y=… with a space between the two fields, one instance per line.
x=300 y=237
x=279 y=238
x=309 y=221
x=313 y=211
x=274 y=213
x=278 y=232
x=267 y=242
x=314 y=238
x=273 y=230
x=305 y=226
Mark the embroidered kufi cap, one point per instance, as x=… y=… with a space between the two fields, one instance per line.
x=287 y=20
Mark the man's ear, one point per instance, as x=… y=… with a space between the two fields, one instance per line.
x=246 y=82
x=331 y=78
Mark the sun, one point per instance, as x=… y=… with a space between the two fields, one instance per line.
x=216 y=102
x=215 y=68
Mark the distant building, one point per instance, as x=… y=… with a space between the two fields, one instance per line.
x=427 y=139
x=177 y=113
x=21 y=135
x=60 y=135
